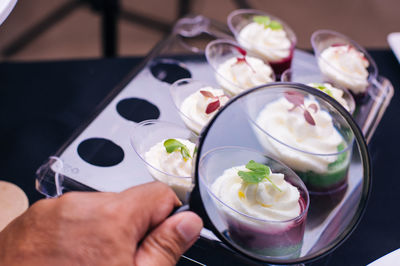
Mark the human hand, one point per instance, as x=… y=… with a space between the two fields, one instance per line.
x=99 y=228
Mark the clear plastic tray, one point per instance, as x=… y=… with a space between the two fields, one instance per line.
x=77 y=165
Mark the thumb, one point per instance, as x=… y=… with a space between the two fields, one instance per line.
x=167 y=242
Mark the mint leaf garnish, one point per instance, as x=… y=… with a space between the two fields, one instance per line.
x=258 y=167
x=263 y=20
x=256 y=174
x=275 y=25
x=251 y=177
x=172 y=145
x=322 y=87
x=267 y=22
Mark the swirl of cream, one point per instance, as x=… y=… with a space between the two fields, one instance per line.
x=195 y=105
x=346 y=67
x=289 y=126
x=261 y=200
x=172 y=169
x=271 y=44
x=236 y=76
x=335 y=93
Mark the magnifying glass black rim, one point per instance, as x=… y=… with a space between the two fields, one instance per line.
x=365 y=162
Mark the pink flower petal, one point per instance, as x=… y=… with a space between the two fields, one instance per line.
x=294 y=97
x=241 y=50
x=207 y=94
x=309 y=118
x=313 y=107
x=212 y=107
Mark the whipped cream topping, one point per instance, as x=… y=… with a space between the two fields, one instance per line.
x=335 y=93
x=261 y=200
x=346 y=67
x=236 y=76
x=271 y=44
x=290 y=127
x=172 y=168
x=195 y=105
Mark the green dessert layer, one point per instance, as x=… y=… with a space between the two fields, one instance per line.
x=279 y=252
x=337 y=172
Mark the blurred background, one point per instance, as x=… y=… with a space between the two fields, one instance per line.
x=70 y=29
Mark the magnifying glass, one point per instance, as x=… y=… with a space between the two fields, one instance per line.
x=281 y=173
x=315 y=189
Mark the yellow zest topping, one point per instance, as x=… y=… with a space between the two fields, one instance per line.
x=278 y=196
x=241 y=194
x=266 y=205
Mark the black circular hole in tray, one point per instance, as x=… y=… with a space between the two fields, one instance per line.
x=100 y=152
x=137 y=110
x=169 y=70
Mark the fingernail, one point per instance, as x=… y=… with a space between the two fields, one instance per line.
x=190 y=226
x=180 y=204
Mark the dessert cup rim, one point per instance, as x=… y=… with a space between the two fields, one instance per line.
x=352 y=102
x=154 y=121
x=234 y=44
x=290 y=32
x=349 y=143
x=298 y=217
x=178 y=108
x=372 y=75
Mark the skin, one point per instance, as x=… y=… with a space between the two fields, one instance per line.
x=98 y=228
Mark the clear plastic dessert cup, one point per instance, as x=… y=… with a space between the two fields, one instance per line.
x=275 y=48
x=314 y=80
x=151 y=132
x=235 y=70
x=305 y=132
x=266 y=238
x=346 y=72
x=194 y=108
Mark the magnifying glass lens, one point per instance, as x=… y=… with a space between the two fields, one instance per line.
x=283 y=173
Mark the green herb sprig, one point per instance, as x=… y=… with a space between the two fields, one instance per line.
x=257 y=173
x=322 y=87
x=172 y=145
x=267 y=22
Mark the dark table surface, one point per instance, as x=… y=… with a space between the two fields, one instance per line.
x=41 y=103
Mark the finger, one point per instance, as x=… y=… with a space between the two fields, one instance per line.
x=147 y=206
x=166 y=243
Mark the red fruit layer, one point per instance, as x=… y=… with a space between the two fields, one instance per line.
x=255 y=237
x=280 y=66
